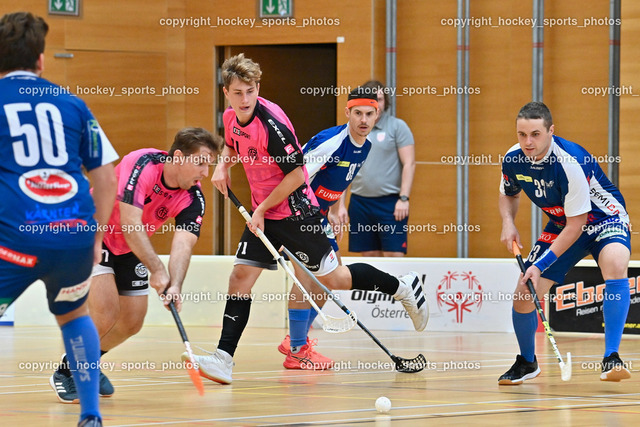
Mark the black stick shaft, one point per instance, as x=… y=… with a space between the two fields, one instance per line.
x=176 y=317
x=536 y=301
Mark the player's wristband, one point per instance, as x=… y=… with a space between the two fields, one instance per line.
x=545 y=261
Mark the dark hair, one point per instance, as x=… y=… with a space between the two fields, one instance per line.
x=21 y=41
x=536 y=110
x=188 y=140
x=363 y=93
x=377 y=85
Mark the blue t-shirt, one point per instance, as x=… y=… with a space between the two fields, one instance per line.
x=567 y=182
x=333 y=159
x=47 y=136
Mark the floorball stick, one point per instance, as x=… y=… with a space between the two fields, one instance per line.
x=565 y=368
x=195 y=377
x=410 y=366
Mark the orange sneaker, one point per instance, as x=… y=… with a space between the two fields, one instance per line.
x=307 y=358
x=285 y=345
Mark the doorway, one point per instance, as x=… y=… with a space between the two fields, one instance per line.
x=288 y=71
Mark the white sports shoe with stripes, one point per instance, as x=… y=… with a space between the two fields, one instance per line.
x=217 y=366
x=412 y=297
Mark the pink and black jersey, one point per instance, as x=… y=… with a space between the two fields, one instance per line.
x=268 y=149
x=140 y=183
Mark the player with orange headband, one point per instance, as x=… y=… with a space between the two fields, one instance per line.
x=333 y=158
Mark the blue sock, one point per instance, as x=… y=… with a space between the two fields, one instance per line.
x=82 y=343
x=312 y=317
x=525 y=325
x=615 y=309
x=298 y=326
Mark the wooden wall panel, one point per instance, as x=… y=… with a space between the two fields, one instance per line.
x=500 y=70
x=122 y=25
x=131 y=122
x=629 y=123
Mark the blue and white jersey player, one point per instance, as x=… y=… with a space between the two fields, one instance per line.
x=587 y=215
x=333 y=158
x=50 y=224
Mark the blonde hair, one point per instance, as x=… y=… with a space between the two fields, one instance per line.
x=239 y=67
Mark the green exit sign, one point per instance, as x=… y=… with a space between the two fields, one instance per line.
x=276 y=8
x=64 y=7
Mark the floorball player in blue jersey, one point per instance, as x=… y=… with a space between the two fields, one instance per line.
x=50 y=227
x=587 y=215
x=333 y=158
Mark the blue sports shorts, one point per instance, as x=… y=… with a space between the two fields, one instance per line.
x=64 y=273
x=592 y=241
x=373 y=226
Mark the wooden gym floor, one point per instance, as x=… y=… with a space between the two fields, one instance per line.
x=459 y=387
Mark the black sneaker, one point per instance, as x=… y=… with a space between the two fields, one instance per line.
x=520 y=371
x=614 y=369
x=90 y=421
x=106 y=388
x=64 y=387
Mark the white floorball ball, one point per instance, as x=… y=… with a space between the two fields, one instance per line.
x=383 y=405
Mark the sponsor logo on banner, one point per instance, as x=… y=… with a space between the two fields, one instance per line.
x=576 y=305
x=461 y=297
x=48 y=185
x=73 y=293
x=459 y=293
x=4 y=304
x=6 y=312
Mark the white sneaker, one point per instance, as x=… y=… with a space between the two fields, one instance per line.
x=412 y=297
x=216 y=367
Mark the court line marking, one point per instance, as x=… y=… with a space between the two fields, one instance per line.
x=392 y=417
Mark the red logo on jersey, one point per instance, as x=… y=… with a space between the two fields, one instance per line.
x=48 y=185
x=289 y=148
x=328 y=195
x=18 y=258
x=555 y=211
x=162 y=212
x=547 y=237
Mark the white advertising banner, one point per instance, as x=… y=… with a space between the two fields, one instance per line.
x=471 y=295
x=6 y=319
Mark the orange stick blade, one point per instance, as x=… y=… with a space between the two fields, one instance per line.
x=195 y=378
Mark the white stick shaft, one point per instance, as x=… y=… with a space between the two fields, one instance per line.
x=283 y=263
